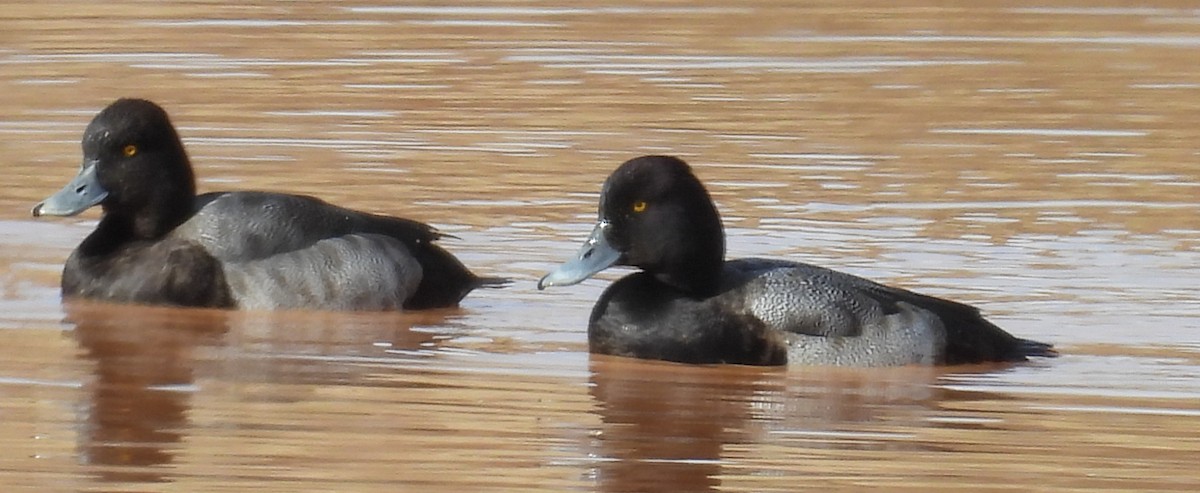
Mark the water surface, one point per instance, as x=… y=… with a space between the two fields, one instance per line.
x=1036 y=160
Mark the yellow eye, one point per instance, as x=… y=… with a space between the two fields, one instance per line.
x=639 y=206
x=130 y=150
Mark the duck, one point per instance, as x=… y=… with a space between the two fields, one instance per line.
x=688 y=304
x=159 y=243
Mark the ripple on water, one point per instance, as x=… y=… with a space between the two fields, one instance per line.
x=1037 y=162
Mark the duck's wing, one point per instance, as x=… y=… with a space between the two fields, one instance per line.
x=835 y=313
x=969 y=337
x=244 y=226
x=349 y=272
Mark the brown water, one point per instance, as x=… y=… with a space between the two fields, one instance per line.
x=1038 y=160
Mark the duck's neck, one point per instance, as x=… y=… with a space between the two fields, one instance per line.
x=117 y=228
x=110 y=235
x=696 y=267
x=149 y=214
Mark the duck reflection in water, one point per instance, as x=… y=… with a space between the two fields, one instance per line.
x=668 y=427
x=154 y=365
x=139 y=399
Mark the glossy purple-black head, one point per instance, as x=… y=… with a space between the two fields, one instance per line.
x=134 y=166
x=657 y=216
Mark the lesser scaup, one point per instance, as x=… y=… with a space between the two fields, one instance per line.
x=159 y=243
x=688 y=304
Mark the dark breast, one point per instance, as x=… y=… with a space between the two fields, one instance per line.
x=642 y=318
x=162 y=272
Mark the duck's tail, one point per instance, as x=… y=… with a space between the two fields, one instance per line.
x=492 y=282
x=1036 y=348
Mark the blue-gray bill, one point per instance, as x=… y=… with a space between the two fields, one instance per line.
x=82 y=192
x=596 y=255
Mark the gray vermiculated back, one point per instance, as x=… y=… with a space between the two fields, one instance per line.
x=833 y=318
x=352 y=272
x=288 y=251
x=241 y=226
